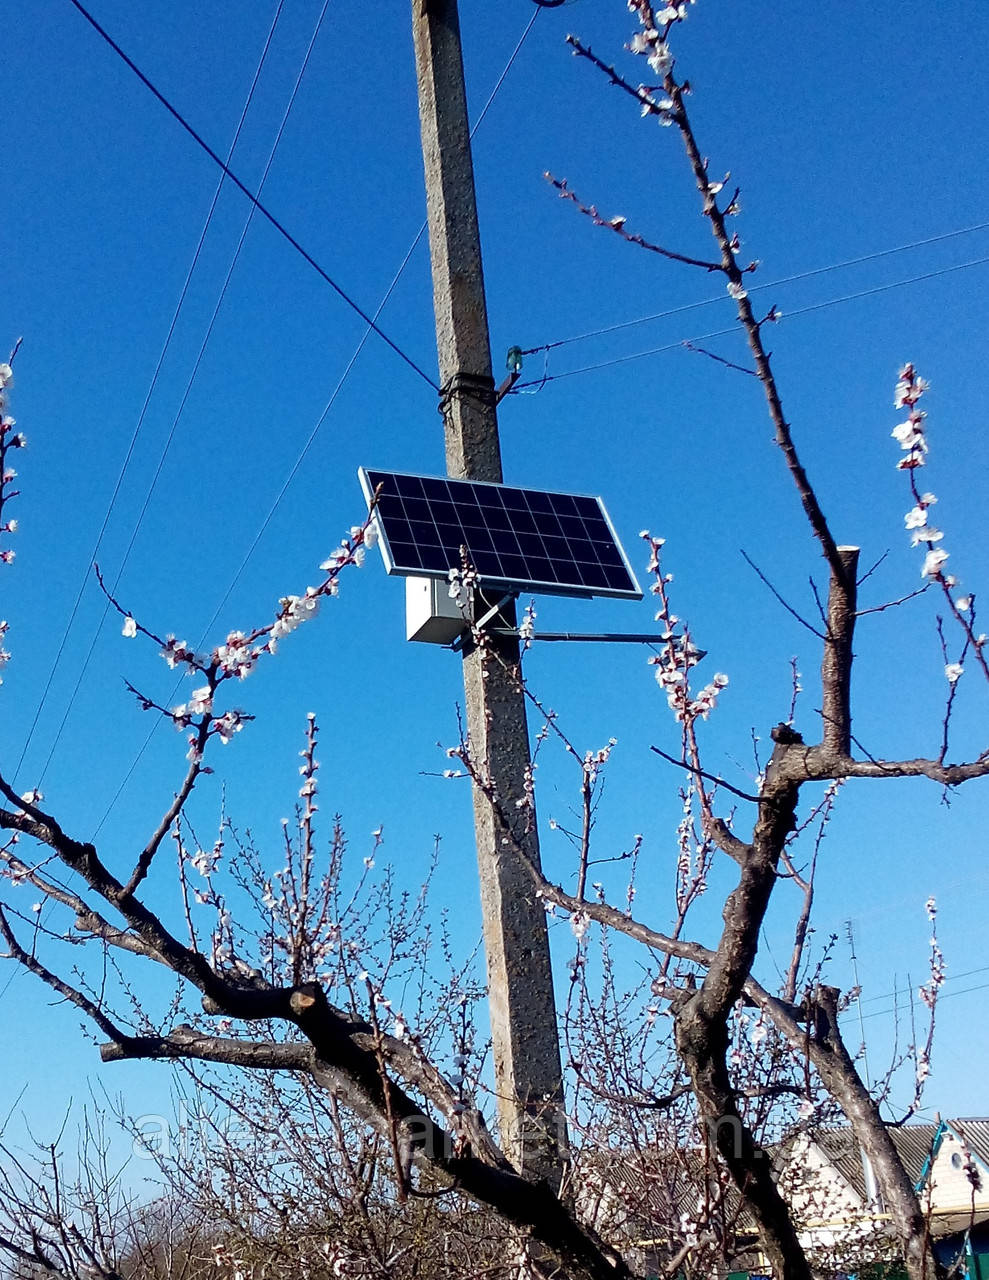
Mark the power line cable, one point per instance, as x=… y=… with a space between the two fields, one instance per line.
x=187 y=391
x=953 y=977
x=720 y=333
x=293 y=471
x=261 y=208
x=137 y=429
x=756 y=288
x=313 y=433
x=93 y=555
x=946 y=995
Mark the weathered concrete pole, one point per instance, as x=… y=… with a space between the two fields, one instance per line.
x=523 y=1012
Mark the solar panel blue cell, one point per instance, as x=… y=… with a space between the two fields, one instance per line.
x=517 y=539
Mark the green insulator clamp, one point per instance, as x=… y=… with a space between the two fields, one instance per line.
x=513 y=361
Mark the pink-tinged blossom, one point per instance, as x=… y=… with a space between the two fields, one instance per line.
x=235 y=656
x=909 y=387
x=371 y=536
x=175 y=651
x=910 y=436
x=7 y=556
x=336 y=559
x=910 y=433
x=736 y=290
x=228 y=724
x=295 y=610
x=528 y=625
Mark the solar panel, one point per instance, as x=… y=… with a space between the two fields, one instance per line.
x=520 y=539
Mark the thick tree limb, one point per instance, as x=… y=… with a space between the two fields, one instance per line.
x=836 y=661
x=338 y=1061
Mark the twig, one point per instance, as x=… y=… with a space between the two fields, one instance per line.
x=617 y=225
x=891 y=604
x=869 y=572
x=711 y=355
x=711 y=777
x=788 y=607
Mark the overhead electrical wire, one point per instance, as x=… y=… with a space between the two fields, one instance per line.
x=261 y=208
x=756 y=288
x=94 y=554
x=187 y=391
x=953 y=977
x=134 y=436
x=313 y=433
x=910 y=998
x=307 y=445
x=719 y=333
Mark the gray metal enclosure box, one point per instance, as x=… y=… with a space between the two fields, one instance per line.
x=430 y=614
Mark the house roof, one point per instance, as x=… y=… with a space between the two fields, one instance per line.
x=656 y=1188
x=913 y=1142
x=974 y=1132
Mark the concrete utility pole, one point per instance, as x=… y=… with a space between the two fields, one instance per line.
x=520 y=986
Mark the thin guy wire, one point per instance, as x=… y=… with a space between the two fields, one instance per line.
x=311 y=438
x=262 y=209
x=719 y=333
x=756 y=288
x=186 y=393
x=147 y=399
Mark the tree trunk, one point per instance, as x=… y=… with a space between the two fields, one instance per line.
x=703 y=1046
x=837 y=1070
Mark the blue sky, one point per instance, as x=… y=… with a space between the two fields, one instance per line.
x=847 y=137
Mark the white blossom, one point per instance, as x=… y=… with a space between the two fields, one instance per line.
x=201 y=701
x=915 y=518
x=933 y=561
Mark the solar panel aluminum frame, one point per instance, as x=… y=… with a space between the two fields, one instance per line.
x=490 y=581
